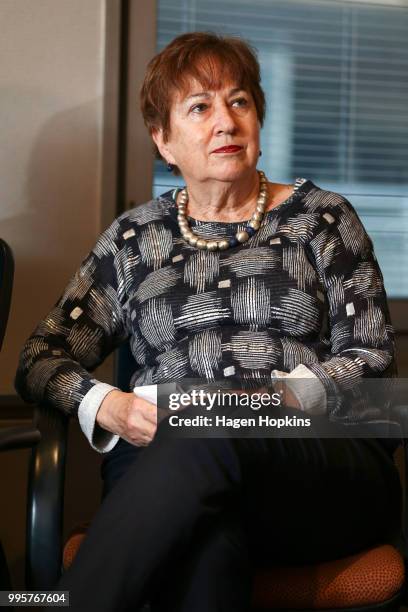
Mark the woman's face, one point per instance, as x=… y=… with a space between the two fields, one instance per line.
x=214 y=134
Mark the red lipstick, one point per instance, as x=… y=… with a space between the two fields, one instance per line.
x=228 y=149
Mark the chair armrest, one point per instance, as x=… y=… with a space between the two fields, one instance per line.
x=400 y=412
x=12 y=438
x=45 y=499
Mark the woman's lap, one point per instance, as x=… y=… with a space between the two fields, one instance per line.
x=304 y=500
x=284 y=501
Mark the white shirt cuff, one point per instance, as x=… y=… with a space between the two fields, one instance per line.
x=147 y=392
x=307 y=388
x=100 y=439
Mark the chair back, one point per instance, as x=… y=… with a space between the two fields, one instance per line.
x=6 y=285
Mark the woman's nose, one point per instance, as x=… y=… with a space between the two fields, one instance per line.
x=224 y=119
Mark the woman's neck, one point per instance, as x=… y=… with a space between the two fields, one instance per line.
x=221 y=201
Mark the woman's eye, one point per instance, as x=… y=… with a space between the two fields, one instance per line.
x=199 y=108
x=240 y=102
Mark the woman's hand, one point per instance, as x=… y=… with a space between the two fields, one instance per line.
x=131 y=417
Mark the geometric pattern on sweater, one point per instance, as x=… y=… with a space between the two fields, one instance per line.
x=305 y=289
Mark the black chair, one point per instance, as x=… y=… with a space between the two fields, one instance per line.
x=44 y=531
x=11 y=438
x=6 y=286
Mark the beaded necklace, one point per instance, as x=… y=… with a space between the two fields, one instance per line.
x=224 y=243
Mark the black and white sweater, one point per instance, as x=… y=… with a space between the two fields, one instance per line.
x=304 y=296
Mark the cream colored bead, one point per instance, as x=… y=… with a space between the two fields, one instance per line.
x=255 y=224
x=192 y=240
x=242 y=236
x=201 y=243
x=257 y=216
x=212 y=245
x=223 y=244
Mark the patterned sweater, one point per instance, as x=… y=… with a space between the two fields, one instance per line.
x=304 y=297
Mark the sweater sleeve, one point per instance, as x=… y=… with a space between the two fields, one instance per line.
x=86 y=324
x=359 y=327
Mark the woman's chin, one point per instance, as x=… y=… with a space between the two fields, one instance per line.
x=231 y=170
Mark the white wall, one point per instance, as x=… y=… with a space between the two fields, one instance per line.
x=51 y=109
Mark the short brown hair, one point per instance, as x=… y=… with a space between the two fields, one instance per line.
x=208 y=57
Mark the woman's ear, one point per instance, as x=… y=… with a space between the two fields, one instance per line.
x=161 y=144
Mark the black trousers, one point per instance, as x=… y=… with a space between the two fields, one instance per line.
x=184 y=523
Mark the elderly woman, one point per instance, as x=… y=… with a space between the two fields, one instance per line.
x=232 y=276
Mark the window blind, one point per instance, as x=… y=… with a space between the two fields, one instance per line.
x=335 y=74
